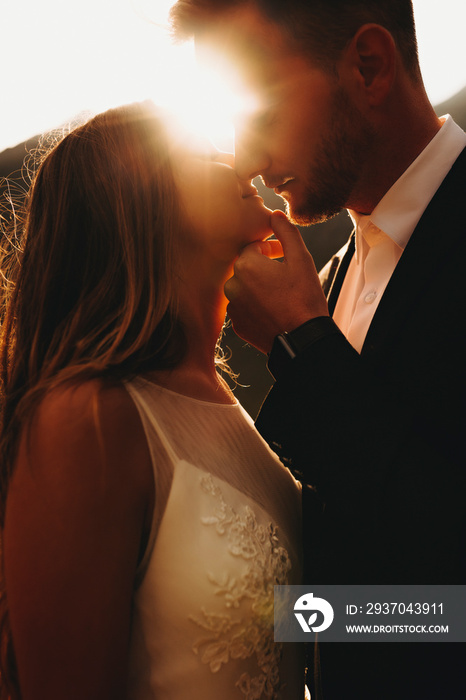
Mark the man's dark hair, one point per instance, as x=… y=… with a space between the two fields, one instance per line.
x=320 y=28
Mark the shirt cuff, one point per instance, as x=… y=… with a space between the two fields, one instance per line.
x=287 y=346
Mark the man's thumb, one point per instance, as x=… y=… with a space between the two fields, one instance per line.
x=288 y=235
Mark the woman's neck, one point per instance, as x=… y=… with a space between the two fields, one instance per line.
x=202 y=309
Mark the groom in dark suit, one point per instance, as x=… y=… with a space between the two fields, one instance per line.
x=369 y=400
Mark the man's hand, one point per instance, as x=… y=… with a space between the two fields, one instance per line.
x=269 y=296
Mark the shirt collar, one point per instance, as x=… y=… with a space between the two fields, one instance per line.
x=399 y=211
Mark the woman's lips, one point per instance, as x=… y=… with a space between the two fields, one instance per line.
x=250 y=192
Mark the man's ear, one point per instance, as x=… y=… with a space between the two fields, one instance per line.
x=370 y=63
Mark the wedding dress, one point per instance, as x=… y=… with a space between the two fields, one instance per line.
x=227 y=527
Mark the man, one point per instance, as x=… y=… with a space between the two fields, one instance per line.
x=369 y=405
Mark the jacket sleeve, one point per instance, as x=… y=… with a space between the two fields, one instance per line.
x=385 y=478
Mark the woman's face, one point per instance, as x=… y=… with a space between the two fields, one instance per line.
x=223 y=213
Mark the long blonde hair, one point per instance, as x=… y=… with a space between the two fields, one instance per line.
x=88 y=278
x=91 y=291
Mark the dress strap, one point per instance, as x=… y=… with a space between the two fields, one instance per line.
x=139 y=400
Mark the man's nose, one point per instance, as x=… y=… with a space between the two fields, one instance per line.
x=226 y=158
x=251 y=158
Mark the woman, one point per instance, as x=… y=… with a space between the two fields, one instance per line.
x=145 y=521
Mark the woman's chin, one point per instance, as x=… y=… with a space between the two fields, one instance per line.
x=263 y=230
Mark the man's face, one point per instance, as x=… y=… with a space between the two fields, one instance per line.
x=304 y=137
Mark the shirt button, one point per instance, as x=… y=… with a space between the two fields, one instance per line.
x=369 y=298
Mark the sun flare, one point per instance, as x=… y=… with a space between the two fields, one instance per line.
x=67 y=58
x=127 y=55
x=203 y=99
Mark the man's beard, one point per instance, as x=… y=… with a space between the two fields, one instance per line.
x=336 y=165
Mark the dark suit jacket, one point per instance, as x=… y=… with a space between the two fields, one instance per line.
x=380 y=437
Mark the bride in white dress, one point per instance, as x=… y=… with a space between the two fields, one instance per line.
x=145 y=522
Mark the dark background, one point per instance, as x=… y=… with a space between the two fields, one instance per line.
x=322 y=240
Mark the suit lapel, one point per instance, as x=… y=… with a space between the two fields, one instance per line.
x=338 y=269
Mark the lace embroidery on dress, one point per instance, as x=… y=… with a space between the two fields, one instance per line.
x=269 y=565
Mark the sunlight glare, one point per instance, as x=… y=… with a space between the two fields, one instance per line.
x=62 y=59
x=127 y=55
x=206 y=100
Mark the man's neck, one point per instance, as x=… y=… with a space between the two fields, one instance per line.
x=404 y=135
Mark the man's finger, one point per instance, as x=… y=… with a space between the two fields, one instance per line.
x=229 y=288
x=288 y=235
x=271 y=249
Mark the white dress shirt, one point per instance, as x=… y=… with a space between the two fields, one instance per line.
x=382 y=236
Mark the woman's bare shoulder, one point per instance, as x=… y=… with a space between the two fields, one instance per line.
x=83 y=405
x=88 y=433
x=77 y=410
